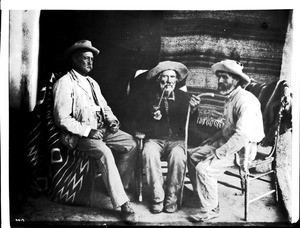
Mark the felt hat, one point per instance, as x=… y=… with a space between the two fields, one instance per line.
x=169 y=65
x=81 y=44
x=234 y=67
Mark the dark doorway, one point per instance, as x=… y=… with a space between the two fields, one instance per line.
x=127 y=40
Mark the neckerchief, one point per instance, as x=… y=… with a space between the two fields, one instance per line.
x=166 y=103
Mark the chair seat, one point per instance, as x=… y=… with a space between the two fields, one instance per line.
x=263 y=161
x=259 y=162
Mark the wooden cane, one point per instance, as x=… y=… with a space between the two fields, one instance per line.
x=186 y=139
x=188 y=119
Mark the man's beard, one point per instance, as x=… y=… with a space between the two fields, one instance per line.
x=169 y=87
x=225 y=89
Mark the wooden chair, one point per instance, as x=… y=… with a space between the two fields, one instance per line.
x=135 y=90
x=273 y=98
x=164 y=164
x=263 y=168
x=140 y=171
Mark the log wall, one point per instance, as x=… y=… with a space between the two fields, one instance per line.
x=200 y=38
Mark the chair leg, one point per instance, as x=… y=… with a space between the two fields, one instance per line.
x=180 y=197
x=246 y=196
x=242 y=174
x=140 y=170
x=141 y=183
x=275 y=185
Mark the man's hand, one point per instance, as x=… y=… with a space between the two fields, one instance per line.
x=194 y=101
x=216 y=153
x=114 y=127
x=207 y=141
x=211 y=155
x=156 y=112
x=157 y=115
x=95 y=134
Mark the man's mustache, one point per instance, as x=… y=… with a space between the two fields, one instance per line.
x=221 y=85
x=167 y=84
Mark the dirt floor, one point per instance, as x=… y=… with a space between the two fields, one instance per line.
x=41 y=212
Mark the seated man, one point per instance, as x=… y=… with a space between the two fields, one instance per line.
x=242 y=129
x=89 y=125
x=162 y=117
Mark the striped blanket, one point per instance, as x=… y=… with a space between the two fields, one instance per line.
x=72 y=173
x=209 y=118
x=210 y=111
x=271 y=96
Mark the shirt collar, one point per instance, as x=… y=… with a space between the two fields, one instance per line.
x=232 y=93
x=78 y=75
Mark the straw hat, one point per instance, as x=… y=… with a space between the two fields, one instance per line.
x=81 y=44
x=233 y=67
x=169 y=65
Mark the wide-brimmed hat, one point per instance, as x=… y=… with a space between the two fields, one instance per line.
x=181 y=69
x=81 y=44
x=234 y=67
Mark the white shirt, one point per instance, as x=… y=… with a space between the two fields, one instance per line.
x=242 y=113
x=243 y=121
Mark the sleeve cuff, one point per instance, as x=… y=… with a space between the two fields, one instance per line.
x=87 y=131
x=219 y=153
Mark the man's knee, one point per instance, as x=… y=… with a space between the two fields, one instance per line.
x=178 y=154
x=193 y=158
x=202 y=168
x=106 y=155
x=133 y=144
x=150 y=154
x=122 y=141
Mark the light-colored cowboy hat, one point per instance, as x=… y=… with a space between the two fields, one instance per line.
x=81 y=44
x=233 y=67
x=181 y=69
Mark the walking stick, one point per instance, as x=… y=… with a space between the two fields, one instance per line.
x=186 y=139
x=188 y=119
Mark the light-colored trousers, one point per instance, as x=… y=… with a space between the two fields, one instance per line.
x=204 y=174
x=116 y=157
x=173 y=152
